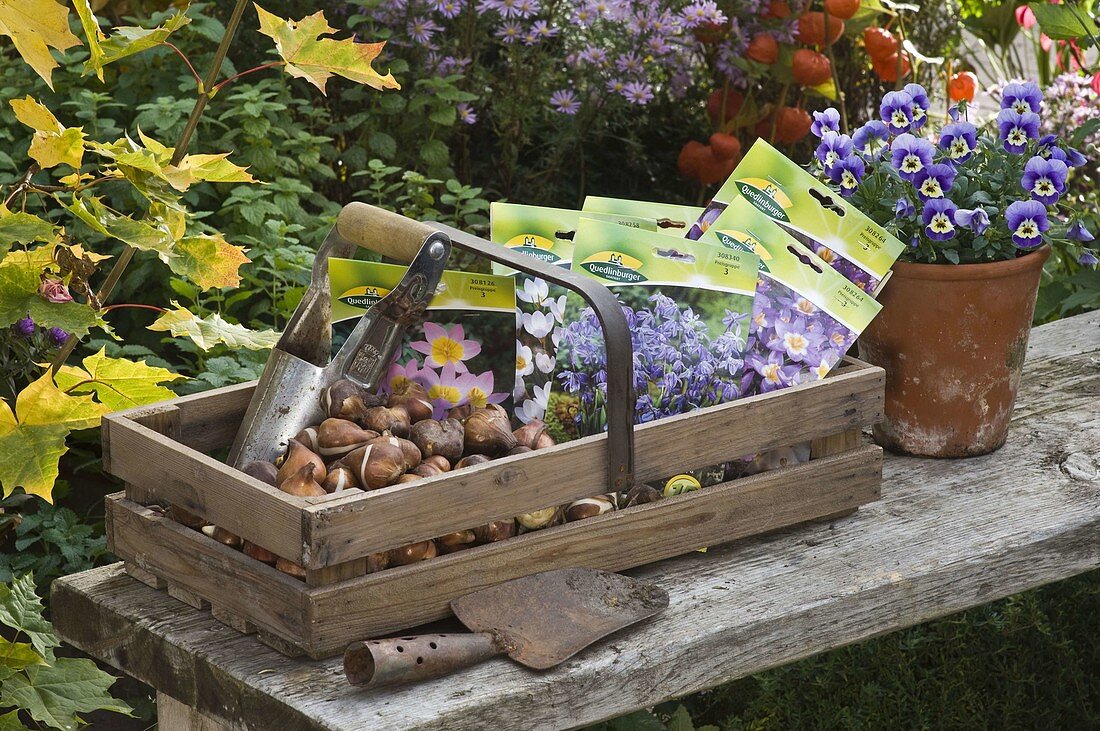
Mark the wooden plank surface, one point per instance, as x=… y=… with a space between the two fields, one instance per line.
x=947 y=535
x=345 y=528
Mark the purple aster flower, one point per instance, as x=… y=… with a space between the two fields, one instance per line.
x=910 y=155
x=934 y=181
x=24 y=328
x=594 y=56
x=904 y=208
x=834 y=147
x=57 y=336
x=421 y=30
x=1044 y=179
x=542 y=29
x=702 y=12
x=1027 y=220
x=871 y=138
x=920 y=104
x=565 y=101
x=509 y=32
x=975 y=219
x=616 y=86
x=959 y=140
x=1087 y=259
x=637 y=92
x=1076 y=232
x=1016 y=129
x=447 y=8
x=939 y=219
x=466 y=115
x=896 y=111
x=630 y=64
x=1022 y=98
x=847 y=173
x=827 y=121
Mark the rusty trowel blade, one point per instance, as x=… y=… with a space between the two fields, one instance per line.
x=543 y=619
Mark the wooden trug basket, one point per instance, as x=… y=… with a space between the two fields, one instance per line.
x=160 y=452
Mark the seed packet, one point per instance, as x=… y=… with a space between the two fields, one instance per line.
x=805 y=314
x=828 y=225
x=667 y=218
x=464 y=350
x=687 y=305
x=546 y=234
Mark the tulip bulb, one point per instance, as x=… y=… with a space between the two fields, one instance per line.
x=533 y=434
x=488 y=431
x=379 y=463
x=303 y=483
x=291 y=568
x=588 y=507
x=259 y=553
x=412 y=553
x=337 y=437
x=340 y=478
x=443 y=438
x=412 y=397
x=262 y=471
x=498 y=530
x=383 y=418
x=298 y=455
x=346 y=399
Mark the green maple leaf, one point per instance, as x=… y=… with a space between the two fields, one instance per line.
x=53 y=143
x=32 y=437
x=23 y=228
x=21 y=609
x=208 y=332
x=20 y=276
x=10 y=722
x=119 y=383
x=146 y=234
x=124 y=41
x=56 y=694
x=15 y=656
x=34 y=27
x=209 y=261
x=316 y=59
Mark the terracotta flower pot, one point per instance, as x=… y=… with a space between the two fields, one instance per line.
x=952 y=339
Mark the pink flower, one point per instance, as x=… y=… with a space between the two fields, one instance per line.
x=444 y=389
x=53 y=290
x=479 y=389
x=400 y=375
x=1096 y=82
x=1024 y=17
x=444 y=347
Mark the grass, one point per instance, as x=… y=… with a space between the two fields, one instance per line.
x=1031 y=661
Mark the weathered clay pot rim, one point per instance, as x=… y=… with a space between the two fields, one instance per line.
x=963 y=272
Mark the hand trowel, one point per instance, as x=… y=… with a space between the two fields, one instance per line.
x=539 y=621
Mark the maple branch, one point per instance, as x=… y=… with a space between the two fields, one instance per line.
x=23 y=183
x=184 y=140
x=198 y=79
x=231 y=79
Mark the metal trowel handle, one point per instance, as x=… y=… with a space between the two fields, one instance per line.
x=374 y=663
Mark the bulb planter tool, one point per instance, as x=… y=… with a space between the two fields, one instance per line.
x=287 y=396
x=539 y=621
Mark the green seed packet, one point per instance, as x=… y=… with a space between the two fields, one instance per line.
x=688 y=305
x=667 y=218
x=463 y=352
x=805 y=314
x=850 y=242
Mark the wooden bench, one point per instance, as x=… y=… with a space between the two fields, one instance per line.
x=947 y=535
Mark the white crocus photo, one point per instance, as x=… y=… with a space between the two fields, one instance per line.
x=535 y=407
x=524 y=363
x=538 y=324
x=544 y=362
x=534 y=290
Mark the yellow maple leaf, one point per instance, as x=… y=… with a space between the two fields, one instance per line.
x=310 y=57
x=119 y=383
x=32 y=437
x=35 y=26
x=208 y=260
x=208 y=332
x=53 y=143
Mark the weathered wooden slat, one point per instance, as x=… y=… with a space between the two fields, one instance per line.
x=175 y=474
x=197 y=569
x=205 y=421
x=392 y=600
x=345 y=528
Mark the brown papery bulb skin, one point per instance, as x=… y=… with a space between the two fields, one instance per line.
x=472 y=460
x=427 y=469
x=262 y=471
x=460 y=413
x=259 y=553
x=308 y=439
x=383 y=419
x=337 y=437
x=439 y=437
x=297 y=456
x=408 y=477
x=588 y=507
x=412 y=397
x=438 y=461
x=378 y=464
x=347 y=400
x=533 y=434
x=185 y=517
x=498 y=530
x=222 y=536
x=411 y=452
x=412 y=553
x=488 y=431
x=302 y=483
x=340 y=477
x=456 y=541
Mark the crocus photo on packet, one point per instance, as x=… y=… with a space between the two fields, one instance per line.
x=805 y=314
x=546 y=234
x=687 y=305
x=841 y=235
x=463 y=352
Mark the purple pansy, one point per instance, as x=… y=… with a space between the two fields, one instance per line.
x=975 y=219
x=827 y=121
x=934 y=181
x=834 y=147
x=1027 y=221
x=896 y=111
x=1044 y=179
x=1022 y=98
x=939 y=219
x=910 y=155
x=904 y=208
x=1076 y=232
x=847 y=174
x=920 y=104
x=871 y=139
x=959 y=140
x=1087 y=258
x=1017 y=128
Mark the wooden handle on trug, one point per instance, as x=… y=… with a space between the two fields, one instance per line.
x=373 y=663
x=382 y=231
